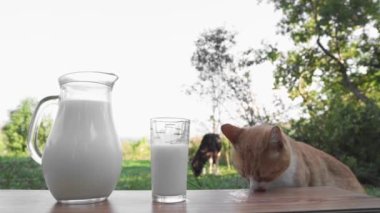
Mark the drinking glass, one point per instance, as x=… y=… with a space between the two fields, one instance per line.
x=169 y=158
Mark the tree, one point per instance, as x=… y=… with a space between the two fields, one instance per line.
x=2 y=143
x=212 y=59
x=239 y=81
x=335 y=69
x=226 y=76
x=16 y=129
x=337 y=42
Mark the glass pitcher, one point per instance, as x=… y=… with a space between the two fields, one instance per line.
x=82 y=159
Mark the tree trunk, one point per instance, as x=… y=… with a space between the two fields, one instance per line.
x=342 y=67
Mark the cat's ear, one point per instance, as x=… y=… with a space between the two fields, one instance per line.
x=276 y=138
x=231 y=132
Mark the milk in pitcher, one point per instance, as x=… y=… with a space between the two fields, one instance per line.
x=82 y=158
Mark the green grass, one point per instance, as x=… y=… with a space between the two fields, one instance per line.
x=136 y=175
x=24 y=173
x=20 y=173
x=373 y=191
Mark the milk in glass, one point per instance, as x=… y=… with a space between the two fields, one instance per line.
x=169 y=168
x=169 y=155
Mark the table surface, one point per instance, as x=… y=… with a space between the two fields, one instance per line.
x=325 y=199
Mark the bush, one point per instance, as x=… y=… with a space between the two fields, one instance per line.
x=136 y=150
x=20 y=173
x=350 y=131
x=2 y=145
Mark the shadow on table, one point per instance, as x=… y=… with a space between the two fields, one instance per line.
x=104 y=206
x=171 y=207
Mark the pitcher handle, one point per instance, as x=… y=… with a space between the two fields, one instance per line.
x=32 y=141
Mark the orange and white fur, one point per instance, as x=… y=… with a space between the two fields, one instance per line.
x=269 y=158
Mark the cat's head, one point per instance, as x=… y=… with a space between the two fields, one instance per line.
x=261 y=153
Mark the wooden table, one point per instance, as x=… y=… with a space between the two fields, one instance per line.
x=326 y=199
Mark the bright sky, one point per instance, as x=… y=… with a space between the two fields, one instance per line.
x=147 y=43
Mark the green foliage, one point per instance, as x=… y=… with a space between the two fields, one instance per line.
x=2 y=144
x=337 y=42
x=211 y=59
x=213 y=52
x=335 y=69
x=348 y=131
x=24 y=173
x=135 y=175
x=136 y=150
x=16 y=129
x=225 y=157
x=224 y=76
x=228 y=179
x=44 y=131
x=373 y=190
x=20 y=173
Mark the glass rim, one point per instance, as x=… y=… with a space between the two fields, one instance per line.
x=105 y=78
x=169 y=119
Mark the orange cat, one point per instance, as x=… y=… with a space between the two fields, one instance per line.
x=269 y=158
